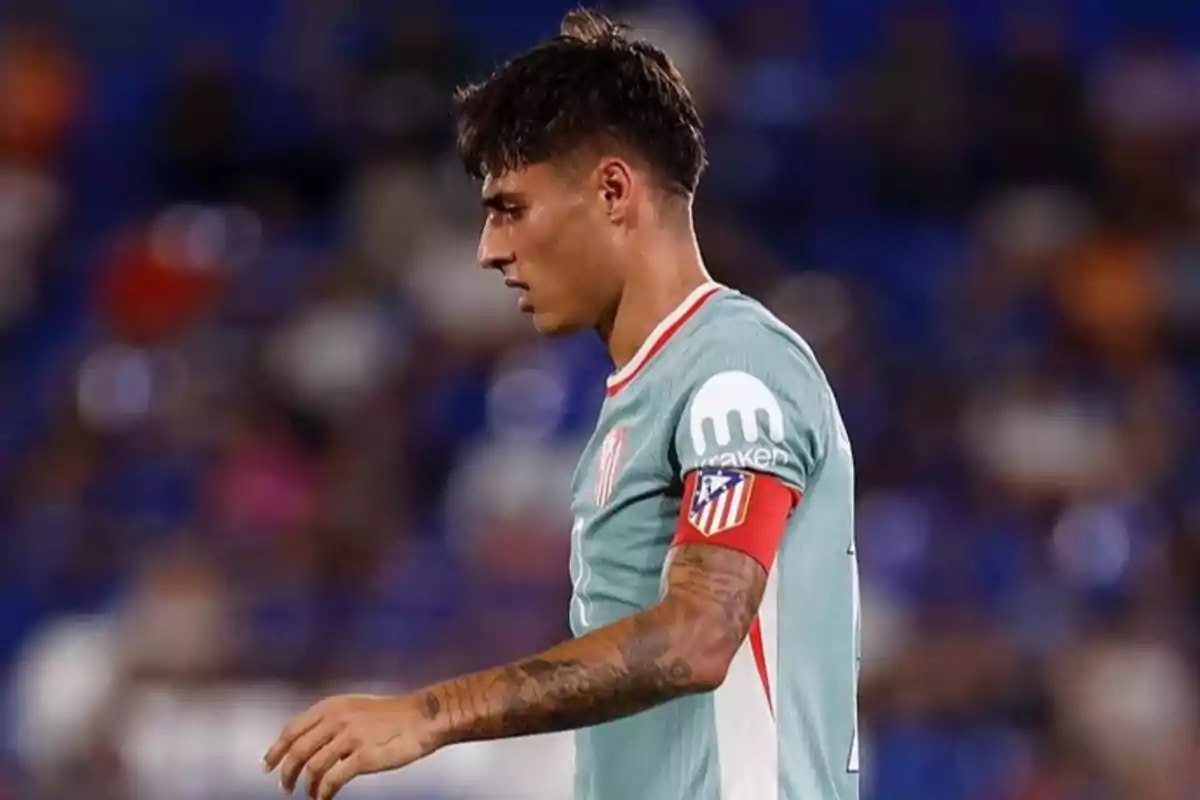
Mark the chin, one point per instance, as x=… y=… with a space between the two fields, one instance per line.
x=548 y=324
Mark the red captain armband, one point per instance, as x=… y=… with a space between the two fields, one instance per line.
x=736 y=508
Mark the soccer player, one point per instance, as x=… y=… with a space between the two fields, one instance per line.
x=715 y=604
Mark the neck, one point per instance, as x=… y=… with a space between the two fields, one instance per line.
x=659 y=279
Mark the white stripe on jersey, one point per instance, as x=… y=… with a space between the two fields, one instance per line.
x=768 y=620
x=747 y=737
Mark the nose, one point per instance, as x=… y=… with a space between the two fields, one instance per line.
x=493 y=252
x=498 y=262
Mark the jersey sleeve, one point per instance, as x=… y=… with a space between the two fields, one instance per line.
x=750 y=436
x=756 y=402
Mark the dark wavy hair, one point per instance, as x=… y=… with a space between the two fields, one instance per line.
x=589 y=83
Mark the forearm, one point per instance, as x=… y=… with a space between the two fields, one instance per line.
x=616 y=671
x=681 y=646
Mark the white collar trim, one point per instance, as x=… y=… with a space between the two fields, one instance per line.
x=660 y=330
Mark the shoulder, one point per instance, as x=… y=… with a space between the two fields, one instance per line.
x=737 y=334
x=751 y=393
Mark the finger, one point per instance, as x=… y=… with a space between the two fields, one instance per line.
x=338 y=776
x=329 y=755
x=299 y=726
x=301 y=751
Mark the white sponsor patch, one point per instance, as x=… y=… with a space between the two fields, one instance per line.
x=737 y=394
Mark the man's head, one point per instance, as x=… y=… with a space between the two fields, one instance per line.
x=583 y=143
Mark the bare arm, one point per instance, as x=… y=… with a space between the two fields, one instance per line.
x=681 y=646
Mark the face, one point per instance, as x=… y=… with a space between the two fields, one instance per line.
x=551 y=232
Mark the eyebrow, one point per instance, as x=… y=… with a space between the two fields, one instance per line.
x=498 y=201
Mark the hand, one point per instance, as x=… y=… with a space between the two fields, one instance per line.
x=343 y=737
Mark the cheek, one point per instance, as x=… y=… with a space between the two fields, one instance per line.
x=551 y=252
x=537 y=239
x=563 y=253
x=574 y=267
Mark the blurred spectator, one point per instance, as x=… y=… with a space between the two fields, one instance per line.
x=1145 y=103
x=336 y=352
x=917 y=116
x=162 y=278
x=408 y=81
x=199 y=131
x=41 y=90
x=264 y=484
x=175 y=624
x=1111 y=297
x=30 y=209
x=1139 y=734
x=40 y=94
x=1035 y=111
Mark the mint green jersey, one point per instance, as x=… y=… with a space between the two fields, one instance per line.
x=723 y=383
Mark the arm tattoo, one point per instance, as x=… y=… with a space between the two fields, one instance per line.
x=681 y=646
x=432 y=706
x=728 y=583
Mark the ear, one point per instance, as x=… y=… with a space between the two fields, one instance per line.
x=617 y=183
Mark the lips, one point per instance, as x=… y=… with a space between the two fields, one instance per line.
x=523 y=302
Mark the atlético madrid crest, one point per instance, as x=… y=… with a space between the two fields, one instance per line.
x=608 y=465
x=720 y=499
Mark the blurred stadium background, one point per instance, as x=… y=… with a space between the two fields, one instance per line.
x=265 y=433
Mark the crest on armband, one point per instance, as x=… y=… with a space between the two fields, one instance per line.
x=720 y=499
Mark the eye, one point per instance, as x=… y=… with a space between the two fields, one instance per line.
x=503 y=209
x=512 y=212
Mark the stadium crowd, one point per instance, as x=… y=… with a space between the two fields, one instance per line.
x=266 y=430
